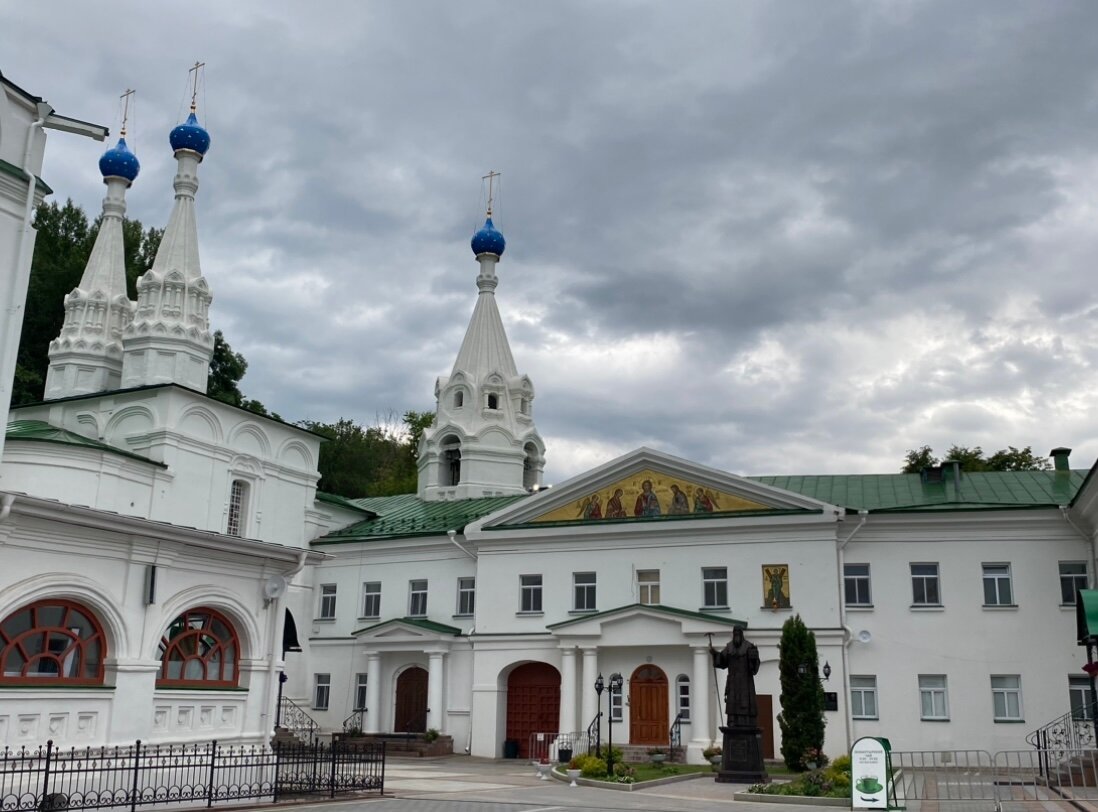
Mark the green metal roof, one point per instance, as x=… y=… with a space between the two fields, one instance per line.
x=655 y=607
x=408 y=516
x=908 y=492
x=42 y=432
x=342 y=501
x=422 y=623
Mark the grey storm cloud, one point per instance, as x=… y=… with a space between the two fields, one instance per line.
x=773 y=238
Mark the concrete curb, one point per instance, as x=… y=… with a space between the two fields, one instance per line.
x=655 y=782
x=800 y=800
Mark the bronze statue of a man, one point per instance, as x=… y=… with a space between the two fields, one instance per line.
x=741 y=658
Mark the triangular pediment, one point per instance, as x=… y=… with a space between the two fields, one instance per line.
x=406 y=631
x=647 y=485
x=645 y=625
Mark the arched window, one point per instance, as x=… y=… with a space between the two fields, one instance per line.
x=682 y=696
x=450 y=469
x=50 y=642
x=199 y=649
x=238 y=508
x=529 y=469
x=459 y=399
x=493 y=401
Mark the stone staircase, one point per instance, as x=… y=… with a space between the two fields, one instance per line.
x=638 y=753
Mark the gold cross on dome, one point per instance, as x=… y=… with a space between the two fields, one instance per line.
x=194 y=89
x=491 y=176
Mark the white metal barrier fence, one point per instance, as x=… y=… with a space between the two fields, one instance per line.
x=977 y=780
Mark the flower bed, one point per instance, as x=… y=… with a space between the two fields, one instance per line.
x=831 y=782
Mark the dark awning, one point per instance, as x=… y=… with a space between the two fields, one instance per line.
x=1086 y=615
x=289 y=634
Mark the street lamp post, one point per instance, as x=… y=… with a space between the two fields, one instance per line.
x=598 y=715
x=615 y=688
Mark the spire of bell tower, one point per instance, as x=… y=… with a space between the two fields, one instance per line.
x=169 y=339
x=483 y=441
x=87 y=355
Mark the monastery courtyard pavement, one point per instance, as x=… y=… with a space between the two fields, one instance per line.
x=466 y=784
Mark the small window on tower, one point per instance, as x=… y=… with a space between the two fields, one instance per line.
x=493 y=401
x=459 y=399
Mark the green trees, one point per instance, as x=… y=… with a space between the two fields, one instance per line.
x=802 y=698
x=973 y=459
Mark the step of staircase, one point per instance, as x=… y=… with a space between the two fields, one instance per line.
x=638 y=753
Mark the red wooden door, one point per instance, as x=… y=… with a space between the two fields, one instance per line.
x=411 y=702
x=648 y=712
x=766 y=723
x=533 y=703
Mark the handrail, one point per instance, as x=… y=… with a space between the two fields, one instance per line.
x=1075 y=730
x=597 y=733
x=356 y=722
x=674 y=735
x=294 y=719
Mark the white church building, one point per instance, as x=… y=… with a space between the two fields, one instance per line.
x=156 y=543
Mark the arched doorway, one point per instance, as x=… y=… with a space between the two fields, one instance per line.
x=410 y=715
x=648 y=722
x=533 y=703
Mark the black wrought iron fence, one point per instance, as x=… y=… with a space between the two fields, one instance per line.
x=50 y=779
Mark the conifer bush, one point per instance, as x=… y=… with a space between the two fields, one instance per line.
x=802 y=698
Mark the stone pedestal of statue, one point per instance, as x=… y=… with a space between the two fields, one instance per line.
x=742 y=758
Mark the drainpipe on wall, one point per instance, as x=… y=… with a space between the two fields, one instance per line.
x=848 y=633
x=6 y=501
x=452 y=534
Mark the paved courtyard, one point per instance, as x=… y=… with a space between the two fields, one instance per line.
x=466 y=784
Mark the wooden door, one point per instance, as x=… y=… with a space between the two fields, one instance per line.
x=766 y=724
x=533 y=703
x=411 y=702
x=648 y=703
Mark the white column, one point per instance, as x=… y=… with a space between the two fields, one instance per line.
x=587 y=688
x=700 y=720
x=372 y=722
x=567 y=690
x=434 y=690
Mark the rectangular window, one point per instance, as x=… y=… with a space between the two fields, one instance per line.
x=238 y=502
x=360 y=691
x=530 y=587
x=863 y=697
x=466 y=595
x=417 y=598
x=1080 y=698
x=616 y=705
x=1073 y=577
x=715 y=587
x=933 y=696
x=371 y=599
x=997 y=591
x=584 y=588
x=648 y=586
x=1006 y=697
x=327 y=602
x=683 y=685
x=924 y=585
x=856 y=584
x=322 y=691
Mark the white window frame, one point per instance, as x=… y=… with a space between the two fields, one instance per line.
x=417 y=597
x=717 y=584
x=466 y=596
x=863 y=691
x=647 y=589
x=1006 y=698
x=617 y=702
x=1072 y=582
x=360 y=691
x=239 y=495
x=326 y=607
x=584 y=592
x=1079 y=697
x=322 y=691
x=857 y=580
x=371 y=595
x=935 y=689
x=682 y=696
x=923 y=581
x=998 y=578
x=530 y=593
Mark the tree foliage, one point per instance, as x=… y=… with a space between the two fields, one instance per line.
x=377 y=460
x=802 y=698
x=973 y=459
x=61 y=250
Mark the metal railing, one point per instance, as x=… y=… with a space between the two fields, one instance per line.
x=979 y=780
x=356 y=722
x=1075 y=730
x=674 y=735
x=594 y=731
x=553 y=747
x=49 y=779
x=292 y=717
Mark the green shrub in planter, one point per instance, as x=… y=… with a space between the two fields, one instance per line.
x=593 y=767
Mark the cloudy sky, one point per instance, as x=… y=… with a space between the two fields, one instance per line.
x=796 y=237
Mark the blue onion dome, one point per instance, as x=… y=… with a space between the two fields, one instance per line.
x=190 y=135
x=119 y=162
x=488 y=240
